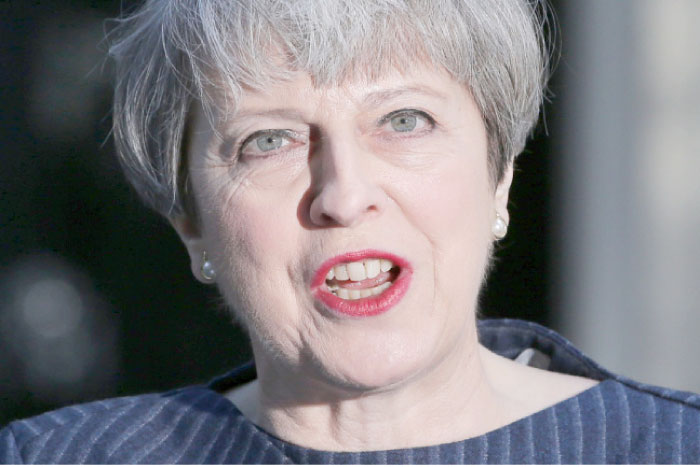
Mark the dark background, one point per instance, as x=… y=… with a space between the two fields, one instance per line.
x=67 y=213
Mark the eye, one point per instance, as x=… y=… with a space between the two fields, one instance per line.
x=269 y=142
x=408 y=121
x=265 y=142
x=404 y=122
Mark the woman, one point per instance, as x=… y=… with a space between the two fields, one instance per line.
x=340 y=171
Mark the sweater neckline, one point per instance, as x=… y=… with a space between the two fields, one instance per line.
x=506 y=337
x=298 y=453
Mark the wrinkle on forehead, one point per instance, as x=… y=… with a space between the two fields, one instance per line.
x=223 y=96
x=274 y=100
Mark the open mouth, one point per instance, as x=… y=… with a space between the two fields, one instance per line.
x=362 y=283
x=361 y=279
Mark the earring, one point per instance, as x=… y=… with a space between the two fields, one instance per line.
x=499 y=227
x=207 y=268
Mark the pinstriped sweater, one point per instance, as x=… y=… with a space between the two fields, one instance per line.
x=616 y=421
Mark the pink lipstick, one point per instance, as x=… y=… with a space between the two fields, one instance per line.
x=362 y=283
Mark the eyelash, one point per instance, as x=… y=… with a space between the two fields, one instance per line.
x=290 y=135
x=410 y=112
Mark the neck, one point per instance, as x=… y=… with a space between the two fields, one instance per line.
x=452 y=401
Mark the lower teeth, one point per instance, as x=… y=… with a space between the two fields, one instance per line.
x=355 y=294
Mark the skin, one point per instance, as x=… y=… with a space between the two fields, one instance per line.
x=344 y=179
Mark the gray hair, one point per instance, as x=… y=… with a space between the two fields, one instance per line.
x=172 y=53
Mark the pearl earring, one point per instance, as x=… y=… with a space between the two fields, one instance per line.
x=207 y=268
x=499 y=227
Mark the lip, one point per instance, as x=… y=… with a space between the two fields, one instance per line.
x=369 y=306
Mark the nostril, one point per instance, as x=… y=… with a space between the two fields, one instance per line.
x=345 y=201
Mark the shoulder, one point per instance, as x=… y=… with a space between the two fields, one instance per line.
x=153 y=428
x=618 y=420
x=639 y=424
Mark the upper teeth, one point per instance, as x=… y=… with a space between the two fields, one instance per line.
x=359 y=270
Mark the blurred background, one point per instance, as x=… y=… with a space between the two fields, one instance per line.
x=96 y=297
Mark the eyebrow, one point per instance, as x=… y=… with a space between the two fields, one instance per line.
x=380 y=97
x=372 y=99
x=291 y=114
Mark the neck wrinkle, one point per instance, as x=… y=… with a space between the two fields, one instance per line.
x=401 y=417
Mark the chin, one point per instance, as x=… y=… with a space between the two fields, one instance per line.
x=366 y=366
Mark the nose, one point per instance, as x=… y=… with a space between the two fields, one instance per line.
x=345 y=190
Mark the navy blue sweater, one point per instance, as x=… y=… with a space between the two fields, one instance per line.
x=616 y=421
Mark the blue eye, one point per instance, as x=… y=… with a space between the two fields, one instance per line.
x=269 y=142
x=265 y=142
x=404 y=122
x=407 y=121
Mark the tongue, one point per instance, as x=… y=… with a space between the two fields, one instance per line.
x=366 y=283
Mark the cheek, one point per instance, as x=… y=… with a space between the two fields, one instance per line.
x=249 y=224
x=254 y=246
x=254 y=240
x=237 y=230
x=452 y=209
x=452 y=204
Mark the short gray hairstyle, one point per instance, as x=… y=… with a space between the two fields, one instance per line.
x=170 y=54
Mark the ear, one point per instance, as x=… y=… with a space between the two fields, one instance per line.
x=191 y=237
x=502 y=192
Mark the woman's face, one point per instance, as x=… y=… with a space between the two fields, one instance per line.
x=302 y=180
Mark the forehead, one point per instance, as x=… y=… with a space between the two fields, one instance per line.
x=298 y=90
